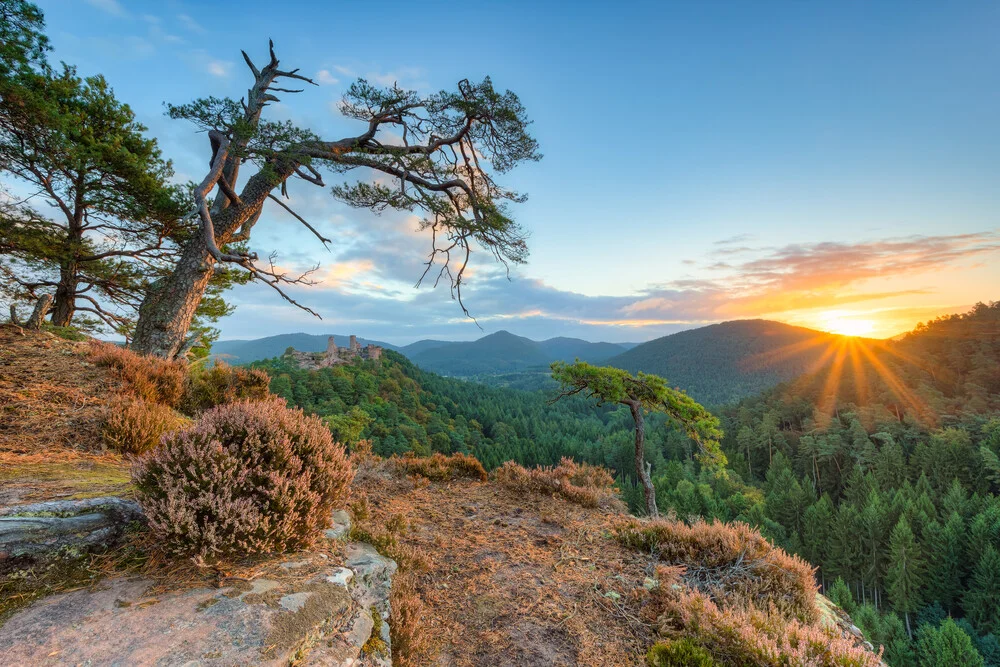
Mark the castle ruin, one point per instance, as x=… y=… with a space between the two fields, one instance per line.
x=336 y=355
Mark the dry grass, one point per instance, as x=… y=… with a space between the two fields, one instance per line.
x=748 y=634
x=440 y=468
x=581 y=483
x=732 y=563
x=150 y=379
x=134 y=426
x=51 y=397
x=503 y=585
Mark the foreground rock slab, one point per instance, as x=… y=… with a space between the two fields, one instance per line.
x=308 y=610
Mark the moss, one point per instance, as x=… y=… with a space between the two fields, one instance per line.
x=19 y=588
x=375 y=644
x=320 y=611
x=69 y=333
x=679 y=653
x=205 y=604
x=76 y=480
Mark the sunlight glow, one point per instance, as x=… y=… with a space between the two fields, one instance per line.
x=841 y=322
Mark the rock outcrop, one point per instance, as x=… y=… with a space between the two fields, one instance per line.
x=307 y=610
x=38 y=532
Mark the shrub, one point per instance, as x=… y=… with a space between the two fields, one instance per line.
x=410 y=639
x=581 y=483
x=134 y=426
x=222 y=383
x=247 y=478
x=440 y=468
x=733 y=563
x=749 y=636
x=151 y=379
x=679 y=653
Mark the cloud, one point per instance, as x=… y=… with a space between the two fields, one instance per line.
x=109 y=6
x=190 y=23
x=221 y=68
x=325 y=78
x=366 y=283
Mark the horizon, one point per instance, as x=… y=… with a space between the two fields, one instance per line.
x=831 y=167
x=483 y=334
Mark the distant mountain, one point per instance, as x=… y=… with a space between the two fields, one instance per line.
x=245 y=351
x=725 y=362
x=503 y=352
x=422 y=346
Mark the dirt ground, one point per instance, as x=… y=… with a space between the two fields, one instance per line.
x=518 y=580
x=51 y=409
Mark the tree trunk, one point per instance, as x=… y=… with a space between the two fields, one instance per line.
x=170 y=303
x=38 y=314
x=640 y=459
x=64 y=305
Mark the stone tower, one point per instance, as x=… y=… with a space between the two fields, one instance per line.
x=331 y=348
x=355 y=346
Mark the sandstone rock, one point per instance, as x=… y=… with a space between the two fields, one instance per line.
x=326 y=620
x=341 y=527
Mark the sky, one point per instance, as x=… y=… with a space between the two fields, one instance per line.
x=833 y=165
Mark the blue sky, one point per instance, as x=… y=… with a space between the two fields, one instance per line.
x=819 y=163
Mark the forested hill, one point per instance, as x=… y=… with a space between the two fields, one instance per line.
x=883 y=469
x=723 y=363
x=401 y=408
x=503 y=352
x=246 y=351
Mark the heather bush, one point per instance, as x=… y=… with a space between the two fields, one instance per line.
x=222 y=383
x=749 y=636
x=150 y=379
x=134 y=426
x=441 y=468
x=249 y=477
x=411 y=640
x=581 y=483
x=731 y=562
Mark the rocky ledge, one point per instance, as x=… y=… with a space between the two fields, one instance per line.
x=39 y=532
x=307 y=611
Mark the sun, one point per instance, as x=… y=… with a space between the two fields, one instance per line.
x=839 y=322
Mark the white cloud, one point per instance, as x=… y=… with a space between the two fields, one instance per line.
x=109 y=6
x=190 y=23
x=325 y=78
x=219 y=67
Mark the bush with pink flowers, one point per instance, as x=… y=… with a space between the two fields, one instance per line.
x=249 y=477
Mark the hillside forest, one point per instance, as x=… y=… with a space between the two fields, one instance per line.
x=881 y=466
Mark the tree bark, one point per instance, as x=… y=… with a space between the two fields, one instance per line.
x=640 y=459
x=170 y=303
x=64 y=305
x=38 y=314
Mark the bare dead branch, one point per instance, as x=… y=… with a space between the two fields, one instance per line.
x=300 y=219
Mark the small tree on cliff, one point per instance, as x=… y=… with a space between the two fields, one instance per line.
x=641 y=393
x=439 y=153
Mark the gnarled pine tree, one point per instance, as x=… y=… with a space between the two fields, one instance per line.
x=640 y=393
x=440 y=151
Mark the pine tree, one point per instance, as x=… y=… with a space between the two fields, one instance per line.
x=905 y=576
x=946 y=646
x=840 y=595
x=980 y=601
x=943 y=546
